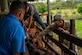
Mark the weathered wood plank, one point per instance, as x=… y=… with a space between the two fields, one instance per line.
x=50 y=48
x=70 y=37
x=62 y=46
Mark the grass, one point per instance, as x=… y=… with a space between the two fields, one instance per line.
x=79 y=28
x=67 y=13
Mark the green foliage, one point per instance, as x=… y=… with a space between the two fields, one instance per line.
x=80 y=8
x=41 y=7
x=51 y=12
x=73 y=12
x=59 y=11
x=56 y=5
x=78 y=25
x=64 y=5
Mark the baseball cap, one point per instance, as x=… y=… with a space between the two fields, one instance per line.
x=57 y=17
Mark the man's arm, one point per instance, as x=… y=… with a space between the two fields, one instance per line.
x=30 y=22
x=49 y=28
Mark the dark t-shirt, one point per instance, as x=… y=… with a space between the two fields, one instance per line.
x=31 y=11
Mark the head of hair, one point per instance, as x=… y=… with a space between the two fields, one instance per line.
x=57 y=17
x=16 y=6
x=26 y=4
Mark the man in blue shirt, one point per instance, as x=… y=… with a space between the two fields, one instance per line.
x=11 y=31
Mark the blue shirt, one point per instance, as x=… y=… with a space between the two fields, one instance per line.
x=11 y=36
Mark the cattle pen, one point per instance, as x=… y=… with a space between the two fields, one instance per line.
x=50 y=42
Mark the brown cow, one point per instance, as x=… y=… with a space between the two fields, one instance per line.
x=33 y=33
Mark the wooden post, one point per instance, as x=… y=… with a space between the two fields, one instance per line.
x=49 y=16
x=64 y=41
x=4 y=6
x=50 y=33
x=72 y=26
x=48 y=19
x=72 y=31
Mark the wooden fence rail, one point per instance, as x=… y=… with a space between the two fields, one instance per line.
x=70 y=37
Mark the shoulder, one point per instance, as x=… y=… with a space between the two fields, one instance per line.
x=12 y=23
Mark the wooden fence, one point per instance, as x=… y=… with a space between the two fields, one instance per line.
x=70 y=37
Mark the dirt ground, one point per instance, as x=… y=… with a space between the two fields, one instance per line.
x=79 y=51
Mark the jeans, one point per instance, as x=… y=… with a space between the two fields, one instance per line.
x=38 y=19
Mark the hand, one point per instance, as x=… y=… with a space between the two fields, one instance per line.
x=61 y=29
x=50 y=26
x=28 y=29
x=34 y=40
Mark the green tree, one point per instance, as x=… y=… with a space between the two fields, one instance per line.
x=41 y=7
x=79 y=9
